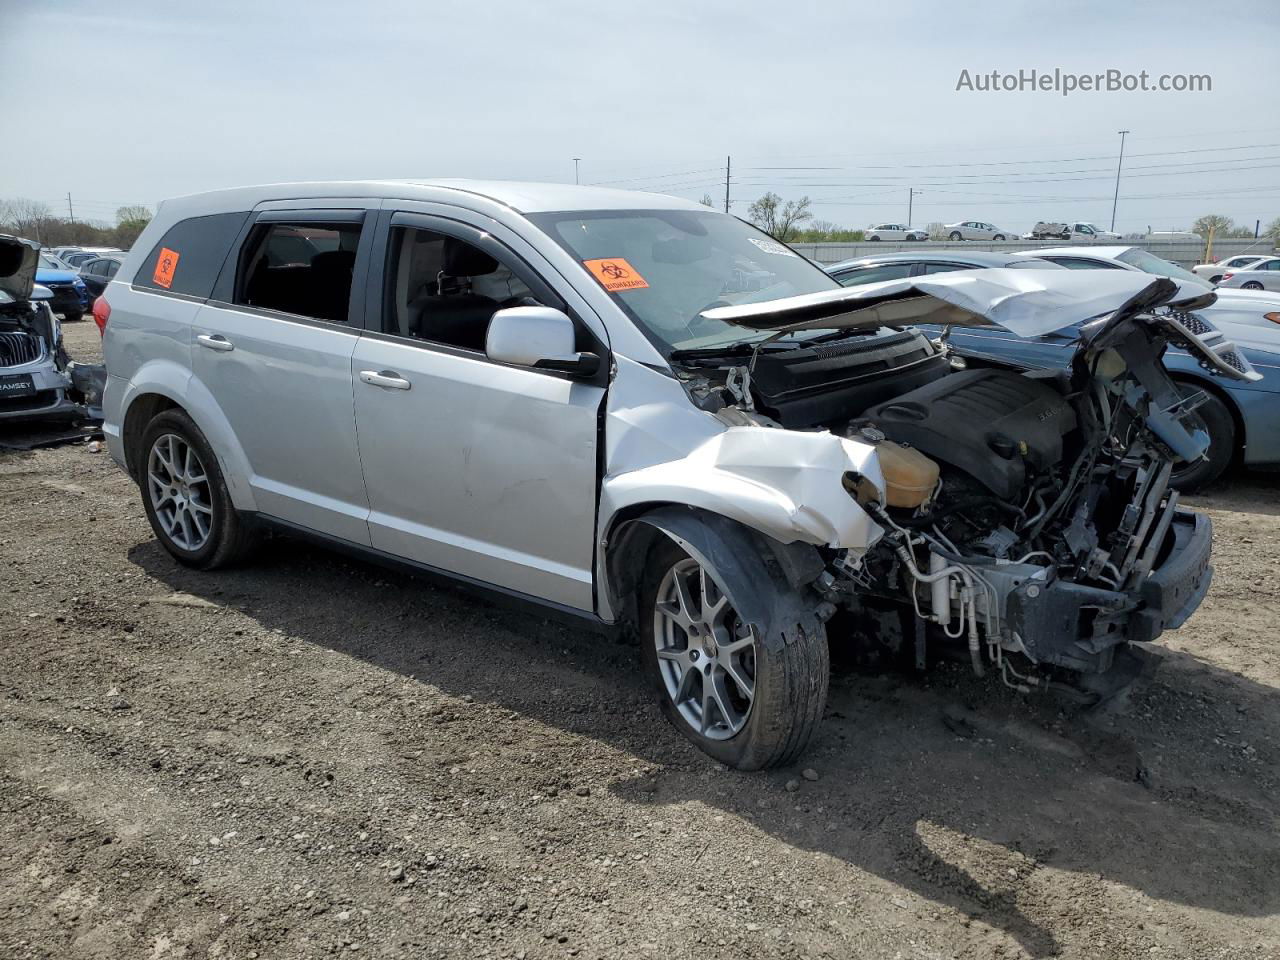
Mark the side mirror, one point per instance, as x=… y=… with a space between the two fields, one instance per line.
x=539 y=337
x=39 y=292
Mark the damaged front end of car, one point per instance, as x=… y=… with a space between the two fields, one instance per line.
x=1026 y=517
x=38 y=381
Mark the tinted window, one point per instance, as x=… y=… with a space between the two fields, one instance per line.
x=201 y=245
x=299 y=268
x=445 y=290
x=946 y=267
x=112 y=267
x=882 y=271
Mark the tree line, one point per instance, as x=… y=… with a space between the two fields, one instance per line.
x=35 y=220
x=791 y=221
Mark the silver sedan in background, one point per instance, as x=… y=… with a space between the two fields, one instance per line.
x=1262 y=274
x=977 y=230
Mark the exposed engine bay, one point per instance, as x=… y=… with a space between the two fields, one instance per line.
x=1025 y=515
x=37 y=378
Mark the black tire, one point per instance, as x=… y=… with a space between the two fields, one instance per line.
x=1252 y=285
x=790 y=683
x=1216 y=279
x=73 y=316
x=873 y=239
x=955 y=235
x=229 y=539
x=999 y=236
x=1217 y=421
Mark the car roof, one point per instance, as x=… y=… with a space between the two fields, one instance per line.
x=522 y=196
x=979 y=258
x=1100 y=251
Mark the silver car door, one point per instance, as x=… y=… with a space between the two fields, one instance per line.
x=273 y=348
x=482 y=469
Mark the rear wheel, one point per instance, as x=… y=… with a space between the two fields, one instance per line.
x=185 y=496
x=1216 y=278
x=998 y=236
x=955 y=235
x=1215 y=419
x=1252 y=285
x=719 y=679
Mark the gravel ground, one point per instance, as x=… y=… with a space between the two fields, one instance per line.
x=311 y=756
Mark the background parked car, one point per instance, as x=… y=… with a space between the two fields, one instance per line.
x=894 y=266
x=97 y=273
x=69 y=294
x=1262 y=274
x=977 y=230
x=895 y=231
x=1213 y=271
x=1079 y=230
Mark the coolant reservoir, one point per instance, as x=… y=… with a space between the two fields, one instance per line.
x=909 y=476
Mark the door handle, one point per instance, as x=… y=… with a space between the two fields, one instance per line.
x=388 y=379
x=215 y=341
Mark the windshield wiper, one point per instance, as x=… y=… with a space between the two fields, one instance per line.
x=728 y=350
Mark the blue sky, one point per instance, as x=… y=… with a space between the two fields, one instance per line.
x=178 y=97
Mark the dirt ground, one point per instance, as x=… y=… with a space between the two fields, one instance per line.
x=309 y=756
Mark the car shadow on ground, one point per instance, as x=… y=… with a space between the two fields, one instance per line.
x=956 y=789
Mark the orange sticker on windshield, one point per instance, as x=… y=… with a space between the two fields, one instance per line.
x=165 y=265
x=615 y=274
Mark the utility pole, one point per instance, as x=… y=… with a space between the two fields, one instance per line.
x=70 y=210
x=727 y=162
x=911 y=195
x=1119 y=163
x=576 y=161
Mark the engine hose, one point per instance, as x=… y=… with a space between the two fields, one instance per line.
x=913 y=523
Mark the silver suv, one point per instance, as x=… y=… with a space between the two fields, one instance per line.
x=651 y=416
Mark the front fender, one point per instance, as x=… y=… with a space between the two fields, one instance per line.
x=173 y=381
x=787 y=485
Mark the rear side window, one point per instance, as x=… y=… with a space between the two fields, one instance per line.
x=300 y=268
x=191 y=253
x=885 y=271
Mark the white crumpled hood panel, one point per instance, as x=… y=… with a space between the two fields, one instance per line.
x=1028 y=303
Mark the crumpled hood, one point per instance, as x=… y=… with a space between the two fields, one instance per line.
x=18 y=262
x=1028 y=303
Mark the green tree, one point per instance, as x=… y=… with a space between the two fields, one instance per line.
x=779 y=219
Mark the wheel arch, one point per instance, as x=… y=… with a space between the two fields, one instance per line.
x=149 y=396
x=766 y=566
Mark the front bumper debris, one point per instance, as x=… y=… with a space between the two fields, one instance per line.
x=1078 y=627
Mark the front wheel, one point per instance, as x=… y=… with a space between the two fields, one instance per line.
x=745 y=699
x=873 y=237
x=1215 y=419
x=73 y=316
x=185 y=496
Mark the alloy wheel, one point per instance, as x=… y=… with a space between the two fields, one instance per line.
x=706 y=654
x=178 y=486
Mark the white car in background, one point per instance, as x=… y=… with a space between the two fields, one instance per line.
x=1213 y=271
x=1262 y=274
x=895 y=231
x=977 y=230
x=1249 y=316
x=1079 y=230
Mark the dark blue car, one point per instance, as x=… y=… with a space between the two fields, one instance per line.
x=70 y=296
x=1242 y=419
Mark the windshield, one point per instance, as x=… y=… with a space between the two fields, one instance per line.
x=50 y=263
x=1149 y=263
x=664 y=267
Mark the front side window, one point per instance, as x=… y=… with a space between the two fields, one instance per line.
x=1150 y=263
x=299 y=268
x=664 y=267
x=874 y=274
x=445 y=290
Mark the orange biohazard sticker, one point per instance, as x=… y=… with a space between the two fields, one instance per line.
x=165 y=266
x=615 y=274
